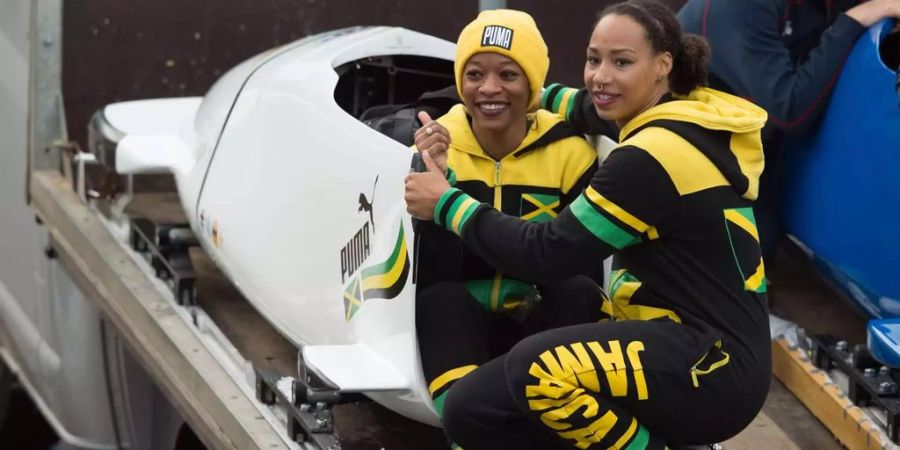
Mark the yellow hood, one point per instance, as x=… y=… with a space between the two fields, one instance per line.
x=717 y=111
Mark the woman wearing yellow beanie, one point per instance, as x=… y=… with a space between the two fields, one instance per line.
x=686 y=359
x=527 y=163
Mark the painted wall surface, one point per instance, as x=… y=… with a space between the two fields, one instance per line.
x=117 y=50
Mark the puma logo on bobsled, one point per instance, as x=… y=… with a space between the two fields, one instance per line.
x=365 y=205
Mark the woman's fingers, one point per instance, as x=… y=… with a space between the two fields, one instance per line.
x=430 y=164
x=438 y=151
x=423 y=190
x=436 y=138
x=431 y=133
x=416 y=204
x=424 y=117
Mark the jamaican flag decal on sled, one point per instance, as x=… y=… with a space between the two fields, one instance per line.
x=384 y=280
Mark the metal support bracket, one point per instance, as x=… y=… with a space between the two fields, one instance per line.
x=308 y=420
x=166 y=247
x=869 y=383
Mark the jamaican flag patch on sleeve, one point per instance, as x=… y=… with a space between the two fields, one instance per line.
x=740 y=224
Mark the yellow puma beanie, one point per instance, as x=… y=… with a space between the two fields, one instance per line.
x=512 y=34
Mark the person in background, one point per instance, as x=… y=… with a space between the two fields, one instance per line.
x=686 y=359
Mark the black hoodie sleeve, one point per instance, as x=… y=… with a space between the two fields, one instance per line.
x=629 y=194
x=584 y=180
x=576 y=107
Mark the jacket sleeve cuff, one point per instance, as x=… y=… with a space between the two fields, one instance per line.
x=559 y=99
x=847 y=28
x=454 y=209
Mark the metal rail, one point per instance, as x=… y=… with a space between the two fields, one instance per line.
x=212 y=402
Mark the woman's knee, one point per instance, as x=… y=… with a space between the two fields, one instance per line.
x=441 y=300
x=573 y=301
x=518 y=366
x=527 y=362
x=586 y=289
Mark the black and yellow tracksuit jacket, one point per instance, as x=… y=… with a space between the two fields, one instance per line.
x=534 y=183
x=673 y=202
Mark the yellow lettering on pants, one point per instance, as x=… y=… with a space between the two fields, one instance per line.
x=637 y=368
x=582 y=367
x=592 y=433
x=555 y=418
x=546 y=403
x=548 y=385
x=613 y=364
x=567 y=381
x=563 y=369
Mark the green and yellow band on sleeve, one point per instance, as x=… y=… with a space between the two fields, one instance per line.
x=564 y=102
x=451 y=177
x=442 y=202
x=549 y=94
x=559 y=99
x=454 y=209
x=614 y=234
x=615 y=210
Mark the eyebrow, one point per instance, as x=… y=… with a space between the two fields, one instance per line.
x=480 y=64
x=613 y=51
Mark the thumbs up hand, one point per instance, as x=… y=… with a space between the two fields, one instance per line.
x=423 y=190
x=434 y=139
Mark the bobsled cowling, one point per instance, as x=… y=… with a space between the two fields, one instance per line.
x=301 y=204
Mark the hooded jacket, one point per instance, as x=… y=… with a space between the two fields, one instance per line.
x=551 y=166
x=673 y=202
x=782 y=55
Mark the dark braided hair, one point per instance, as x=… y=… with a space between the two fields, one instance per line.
x=690 y=52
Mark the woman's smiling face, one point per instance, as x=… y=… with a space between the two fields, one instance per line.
x=622 y=73
x=495 y=91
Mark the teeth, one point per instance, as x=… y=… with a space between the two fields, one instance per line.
x=492 y=106
x=604 y=96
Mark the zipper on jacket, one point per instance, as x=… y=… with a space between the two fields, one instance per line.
x=498 y=204
x=498 y=199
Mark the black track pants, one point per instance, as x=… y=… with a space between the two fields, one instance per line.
x=624 y=385
x=456 y=334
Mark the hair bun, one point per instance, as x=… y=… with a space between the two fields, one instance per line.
x=689 y=71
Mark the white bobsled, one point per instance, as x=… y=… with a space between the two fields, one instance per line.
x=300 y=203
